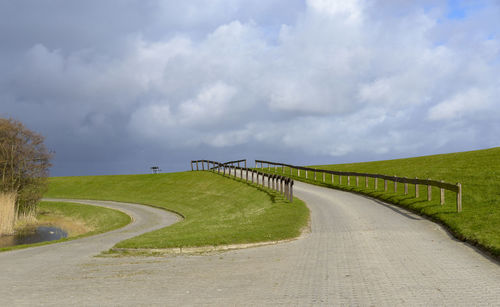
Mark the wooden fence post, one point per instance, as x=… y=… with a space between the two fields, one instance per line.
x=285 y=187
x=442 y=195
x=385 y=185
x=332 y=180
x=314 y=175
x=366 y=181
x=348 y=180
x=406 y=187
x=416 y=189
x=395 y=184
x=323 y=177
x=429 y=191
x=340 y=179
x=291 y=190
x=357 y=181
x=298 y=172
x=202 y=165
x=197 y=165
x=459 y=198
x=376 y=183
x=192 y=166
x=247 y=173
x=287 y=180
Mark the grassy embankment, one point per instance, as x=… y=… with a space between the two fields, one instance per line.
x=477 y=171
x=216 y=210
x=76 y=219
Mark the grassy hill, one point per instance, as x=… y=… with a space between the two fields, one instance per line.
x=217 y=210
x=477 y=171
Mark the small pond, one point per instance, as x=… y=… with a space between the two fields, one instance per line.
x=41 y=234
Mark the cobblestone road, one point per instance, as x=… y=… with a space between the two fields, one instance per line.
x=360 y=252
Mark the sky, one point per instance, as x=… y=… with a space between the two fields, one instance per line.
x=118 y=86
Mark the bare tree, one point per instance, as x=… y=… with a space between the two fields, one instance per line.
x=24 y=165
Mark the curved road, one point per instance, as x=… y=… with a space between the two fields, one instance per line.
x=359 y=252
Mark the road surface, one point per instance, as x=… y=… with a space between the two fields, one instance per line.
x=359 y=252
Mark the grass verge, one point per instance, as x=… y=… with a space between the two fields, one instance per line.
x=477 y=171
x=77 y=219
x=217 y=210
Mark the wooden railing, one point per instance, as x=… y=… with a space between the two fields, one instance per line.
x=457 y=188
x=281 y=184
x=232 y=163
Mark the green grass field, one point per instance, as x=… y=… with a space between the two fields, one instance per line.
x=91 y=220
x=217 y=210
x=477 y=171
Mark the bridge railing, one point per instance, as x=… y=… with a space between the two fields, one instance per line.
x=279 y=183
x=457 y=188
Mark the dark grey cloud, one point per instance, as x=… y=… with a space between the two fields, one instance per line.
x=117 y=86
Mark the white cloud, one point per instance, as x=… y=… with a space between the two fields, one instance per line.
x=332 y=78
x=350 y=10
x=464 y=103
x=209 y=106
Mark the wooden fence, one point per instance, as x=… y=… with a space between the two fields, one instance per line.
x=282 y=184
x=457 y=188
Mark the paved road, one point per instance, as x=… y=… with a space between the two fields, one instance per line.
x=359 y=252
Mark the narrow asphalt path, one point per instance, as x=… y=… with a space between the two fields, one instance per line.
x=359 y=252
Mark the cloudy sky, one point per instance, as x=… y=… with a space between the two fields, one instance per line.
x=117 y=86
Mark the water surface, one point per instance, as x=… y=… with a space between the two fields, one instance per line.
x=41 y=234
